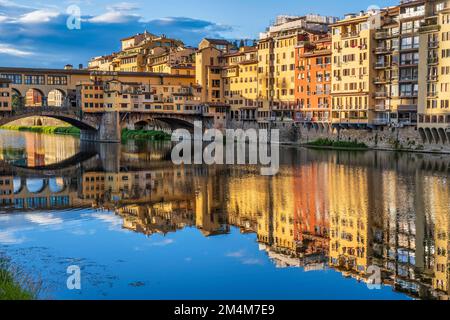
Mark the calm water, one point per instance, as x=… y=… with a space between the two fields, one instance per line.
x=141 y=228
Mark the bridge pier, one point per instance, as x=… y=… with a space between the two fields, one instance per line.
x=109 y=129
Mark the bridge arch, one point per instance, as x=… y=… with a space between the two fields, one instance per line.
x=176 y=123
x=72 y=120
x=36 y=185
x=35 y=98
x=16 y=92
x=56 y=97
x=56 y=185
x=18 y=184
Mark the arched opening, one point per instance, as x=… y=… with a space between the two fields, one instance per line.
x=56 y=185
x=173 y=124
x=34 y=98
x=56 y=98
x=143 y=125
x=17 y=185
x=17 y=101
x=442 y=135
x=423 y=135
x=35 y=185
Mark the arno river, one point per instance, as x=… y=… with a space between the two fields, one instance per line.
x=141 y=228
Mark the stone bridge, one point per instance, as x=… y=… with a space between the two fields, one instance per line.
x=106 y=126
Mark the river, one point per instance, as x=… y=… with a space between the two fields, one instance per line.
x=139 y=227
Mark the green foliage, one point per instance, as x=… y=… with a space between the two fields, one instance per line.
x=14 y=284
x=338 y=144
x=72 y=131
x=145 y=135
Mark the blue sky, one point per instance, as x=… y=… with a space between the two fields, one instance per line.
x=34 y=33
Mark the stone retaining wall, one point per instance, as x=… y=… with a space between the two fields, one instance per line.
x=406 y=138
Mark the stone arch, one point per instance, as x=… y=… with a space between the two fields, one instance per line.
x=176 y=123
x=18 y=184
x=56 y=185
x=435 y=135
x=423 y=135
x=17 y=99
x=56 y=97
x=36 y=185
x=442 y=135
x=429 y=135
x=35 y=98
x=65 y=118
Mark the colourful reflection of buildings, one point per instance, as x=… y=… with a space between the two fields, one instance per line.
x=350 y=249
x=322 y=214
x=440 y=199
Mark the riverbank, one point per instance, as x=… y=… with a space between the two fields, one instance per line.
x=68 y=131
x=145 y=135
x=72 y=131
x=337 y=145
x=13 y=284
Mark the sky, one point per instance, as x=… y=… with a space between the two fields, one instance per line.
x=45 y=33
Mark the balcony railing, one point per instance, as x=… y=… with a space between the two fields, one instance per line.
x=380 y=65
x=433 y=44
x=433 y=60
x=381 y=94
x=350 y=34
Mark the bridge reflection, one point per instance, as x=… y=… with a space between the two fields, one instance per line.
x=325 y=210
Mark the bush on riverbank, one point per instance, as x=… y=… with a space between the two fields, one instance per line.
x=14 y=285
x=327 y=143
x=145 y=135
x=72 y=131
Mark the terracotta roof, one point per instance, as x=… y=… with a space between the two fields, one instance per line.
x=218 y=41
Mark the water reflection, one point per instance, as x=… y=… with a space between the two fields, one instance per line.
x=341 y=210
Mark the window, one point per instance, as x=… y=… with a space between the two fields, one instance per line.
x=38 y=79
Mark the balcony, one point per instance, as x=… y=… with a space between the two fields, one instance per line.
x=432 y=94
x=408 y=15
x=382 y=50
x=380 y=107
x=382 y=35
x=433 y=60
x=352 y=34
x=433 y=44
x=380 y=65
x=379 y=80
x=433 y=78
x=380 y=121
x=381 y=95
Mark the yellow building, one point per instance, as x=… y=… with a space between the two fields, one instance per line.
x=434 y=73
x=5 y=95
x=353 y=70
x=140 y=53
x=240 y=78
x=276 y=63
x=209 y=66
x=153 y=95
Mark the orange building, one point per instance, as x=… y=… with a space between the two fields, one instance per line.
x=5 y=95
x=313 y=79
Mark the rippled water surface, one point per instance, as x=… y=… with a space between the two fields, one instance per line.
x=142 y=228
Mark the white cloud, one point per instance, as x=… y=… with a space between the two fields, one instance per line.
x=236 y=254
x=9 y=50
x=163 y=243
x=252 y=261
x=123 y=6
x=3 y=18
x=8 y=237
x=39 y=16
x=114 y=17
x=44 y=219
